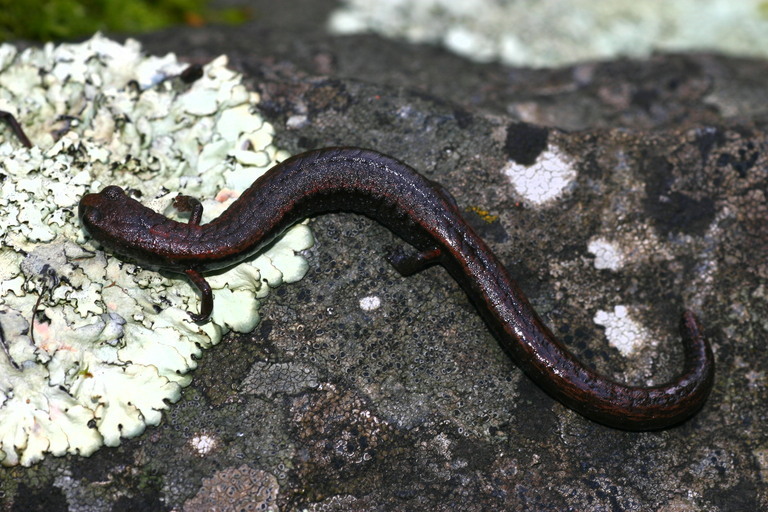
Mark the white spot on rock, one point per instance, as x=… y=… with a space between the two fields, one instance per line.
x=622 y=331
x=370 y=303
x=608 y=255
x=545 y=179
x=203 y=444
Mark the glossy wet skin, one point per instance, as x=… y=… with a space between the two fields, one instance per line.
x=112 y=211
x=423 y=214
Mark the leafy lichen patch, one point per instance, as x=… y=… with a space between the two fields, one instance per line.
x=96 y=347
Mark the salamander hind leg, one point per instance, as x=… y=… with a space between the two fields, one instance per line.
x=408 y=264
x=189 y=204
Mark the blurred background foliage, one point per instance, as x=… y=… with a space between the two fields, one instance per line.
x=57 y=20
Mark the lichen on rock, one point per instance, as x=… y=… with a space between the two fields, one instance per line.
x=234 y=489
x=96 y=347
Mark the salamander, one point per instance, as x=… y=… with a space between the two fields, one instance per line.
x=426 y=216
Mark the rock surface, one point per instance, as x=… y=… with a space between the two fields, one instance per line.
x=332 y=404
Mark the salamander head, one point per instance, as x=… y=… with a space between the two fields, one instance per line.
x=107 y=215
x=123 y=225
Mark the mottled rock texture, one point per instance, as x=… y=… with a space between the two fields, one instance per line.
x=413 y=405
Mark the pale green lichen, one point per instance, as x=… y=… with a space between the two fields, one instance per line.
x=112 y=344
x=555 y=33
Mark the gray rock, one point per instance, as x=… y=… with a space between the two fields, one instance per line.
x=413 y=404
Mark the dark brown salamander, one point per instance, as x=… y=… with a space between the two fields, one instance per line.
x=423 y=214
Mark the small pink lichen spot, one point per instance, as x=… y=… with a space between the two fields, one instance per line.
x=43 y=338
x=225 y=194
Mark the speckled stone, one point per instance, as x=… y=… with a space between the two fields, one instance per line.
x=670 y=155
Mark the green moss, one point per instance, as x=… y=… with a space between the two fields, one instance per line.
x=46 y=20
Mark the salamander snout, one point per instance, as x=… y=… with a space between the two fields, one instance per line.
x=88 y=211
x=94 y=207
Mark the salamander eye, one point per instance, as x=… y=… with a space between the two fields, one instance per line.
x=92 y=214
x=113 y=192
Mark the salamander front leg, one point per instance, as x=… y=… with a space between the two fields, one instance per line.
x=206 y=296
x=409 y=264
x=189 y=204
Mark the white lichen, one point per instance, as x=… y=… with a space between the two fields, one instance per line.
x=370 y=303
x=608 y=254
x=554 y=33
x=621 y=330
x=546 y=179
x=203 y=443
x=111 y=344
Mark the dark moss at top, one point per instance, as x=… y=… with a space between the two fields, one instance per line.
x=42 y=20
